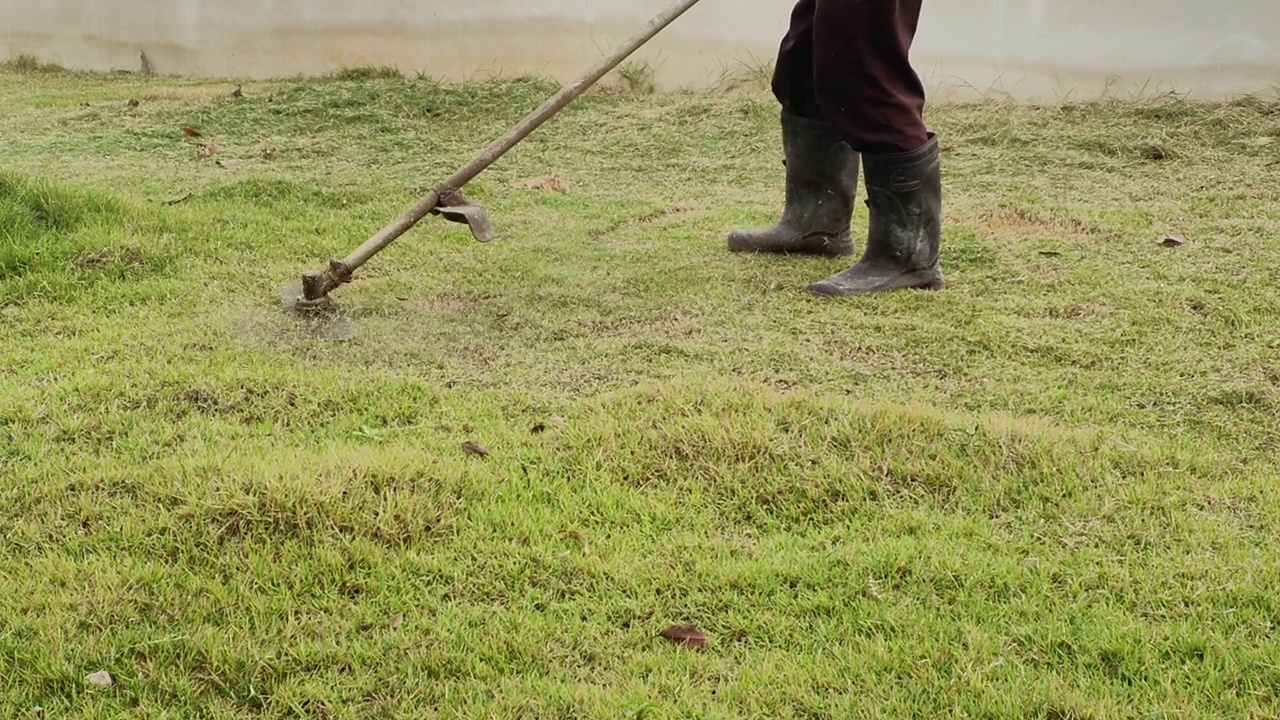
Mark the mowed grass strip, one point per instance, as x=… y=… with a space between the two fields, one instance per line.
x=1045 y=492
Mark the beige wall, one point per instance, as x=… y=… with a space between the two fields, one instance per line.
x=1028 y=49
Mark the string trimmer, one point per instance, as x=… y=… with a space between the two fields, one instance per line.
x=311 y=296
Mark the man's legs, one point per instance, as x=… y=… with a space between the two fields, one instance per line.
x=865 y=86
x=847 y=88
x=863 y=81
x=793 y=73
x=821 y=168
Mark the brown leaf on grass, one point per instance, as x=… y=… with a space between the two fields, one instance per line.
x=686 y=635
x=397 y=620
x=475 y=448
x=208 y=149
x=579 y=538
x=1173 y=240
x=545 y=182
x=191 y=132
x=228 y=164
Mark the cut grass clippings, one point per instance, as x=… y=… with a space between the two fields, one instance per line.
x=600 y=467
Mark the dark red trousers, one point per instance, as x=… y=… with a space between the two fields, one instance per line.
x=847 y=61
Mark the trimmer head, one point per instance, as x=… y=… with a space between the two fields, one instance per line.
x=309 y=298
x=322 y=317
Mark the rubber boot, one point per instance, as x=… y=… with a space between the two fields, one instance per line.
x=822 y=177
x=904 y=194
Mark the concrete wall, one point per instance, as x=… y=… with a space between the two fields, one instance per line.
x=1027 y=49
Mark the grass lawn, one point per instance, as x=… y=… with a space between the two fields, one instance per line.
x=1043 y=492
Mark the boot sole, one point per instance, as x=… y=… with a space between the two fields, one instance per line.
x=925 y=280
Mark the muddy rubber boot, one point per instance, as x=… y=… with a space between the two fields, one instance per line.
x=822 y=177
x=904 y=194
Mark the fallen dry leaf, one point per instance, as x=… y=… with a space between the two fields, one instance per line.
x=475 y=448
x=1173 y=240
x=101 y=678
x=208 y=149
x=228 y=164
x=686 y=635
x=397 y=621
x=546 y=182
x=191 y=132
x=579 y=538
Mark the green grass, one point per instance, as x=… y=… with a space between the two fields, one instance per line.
x=1047 y=492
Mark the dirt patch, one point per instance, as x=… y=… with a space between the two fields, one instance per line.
x=1078 y=311
x=446 y=304
x=648 y=218
x=872 y=360
x=273 y=327
x=1024 y=221
x=676 y=326
x=1272 y=374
